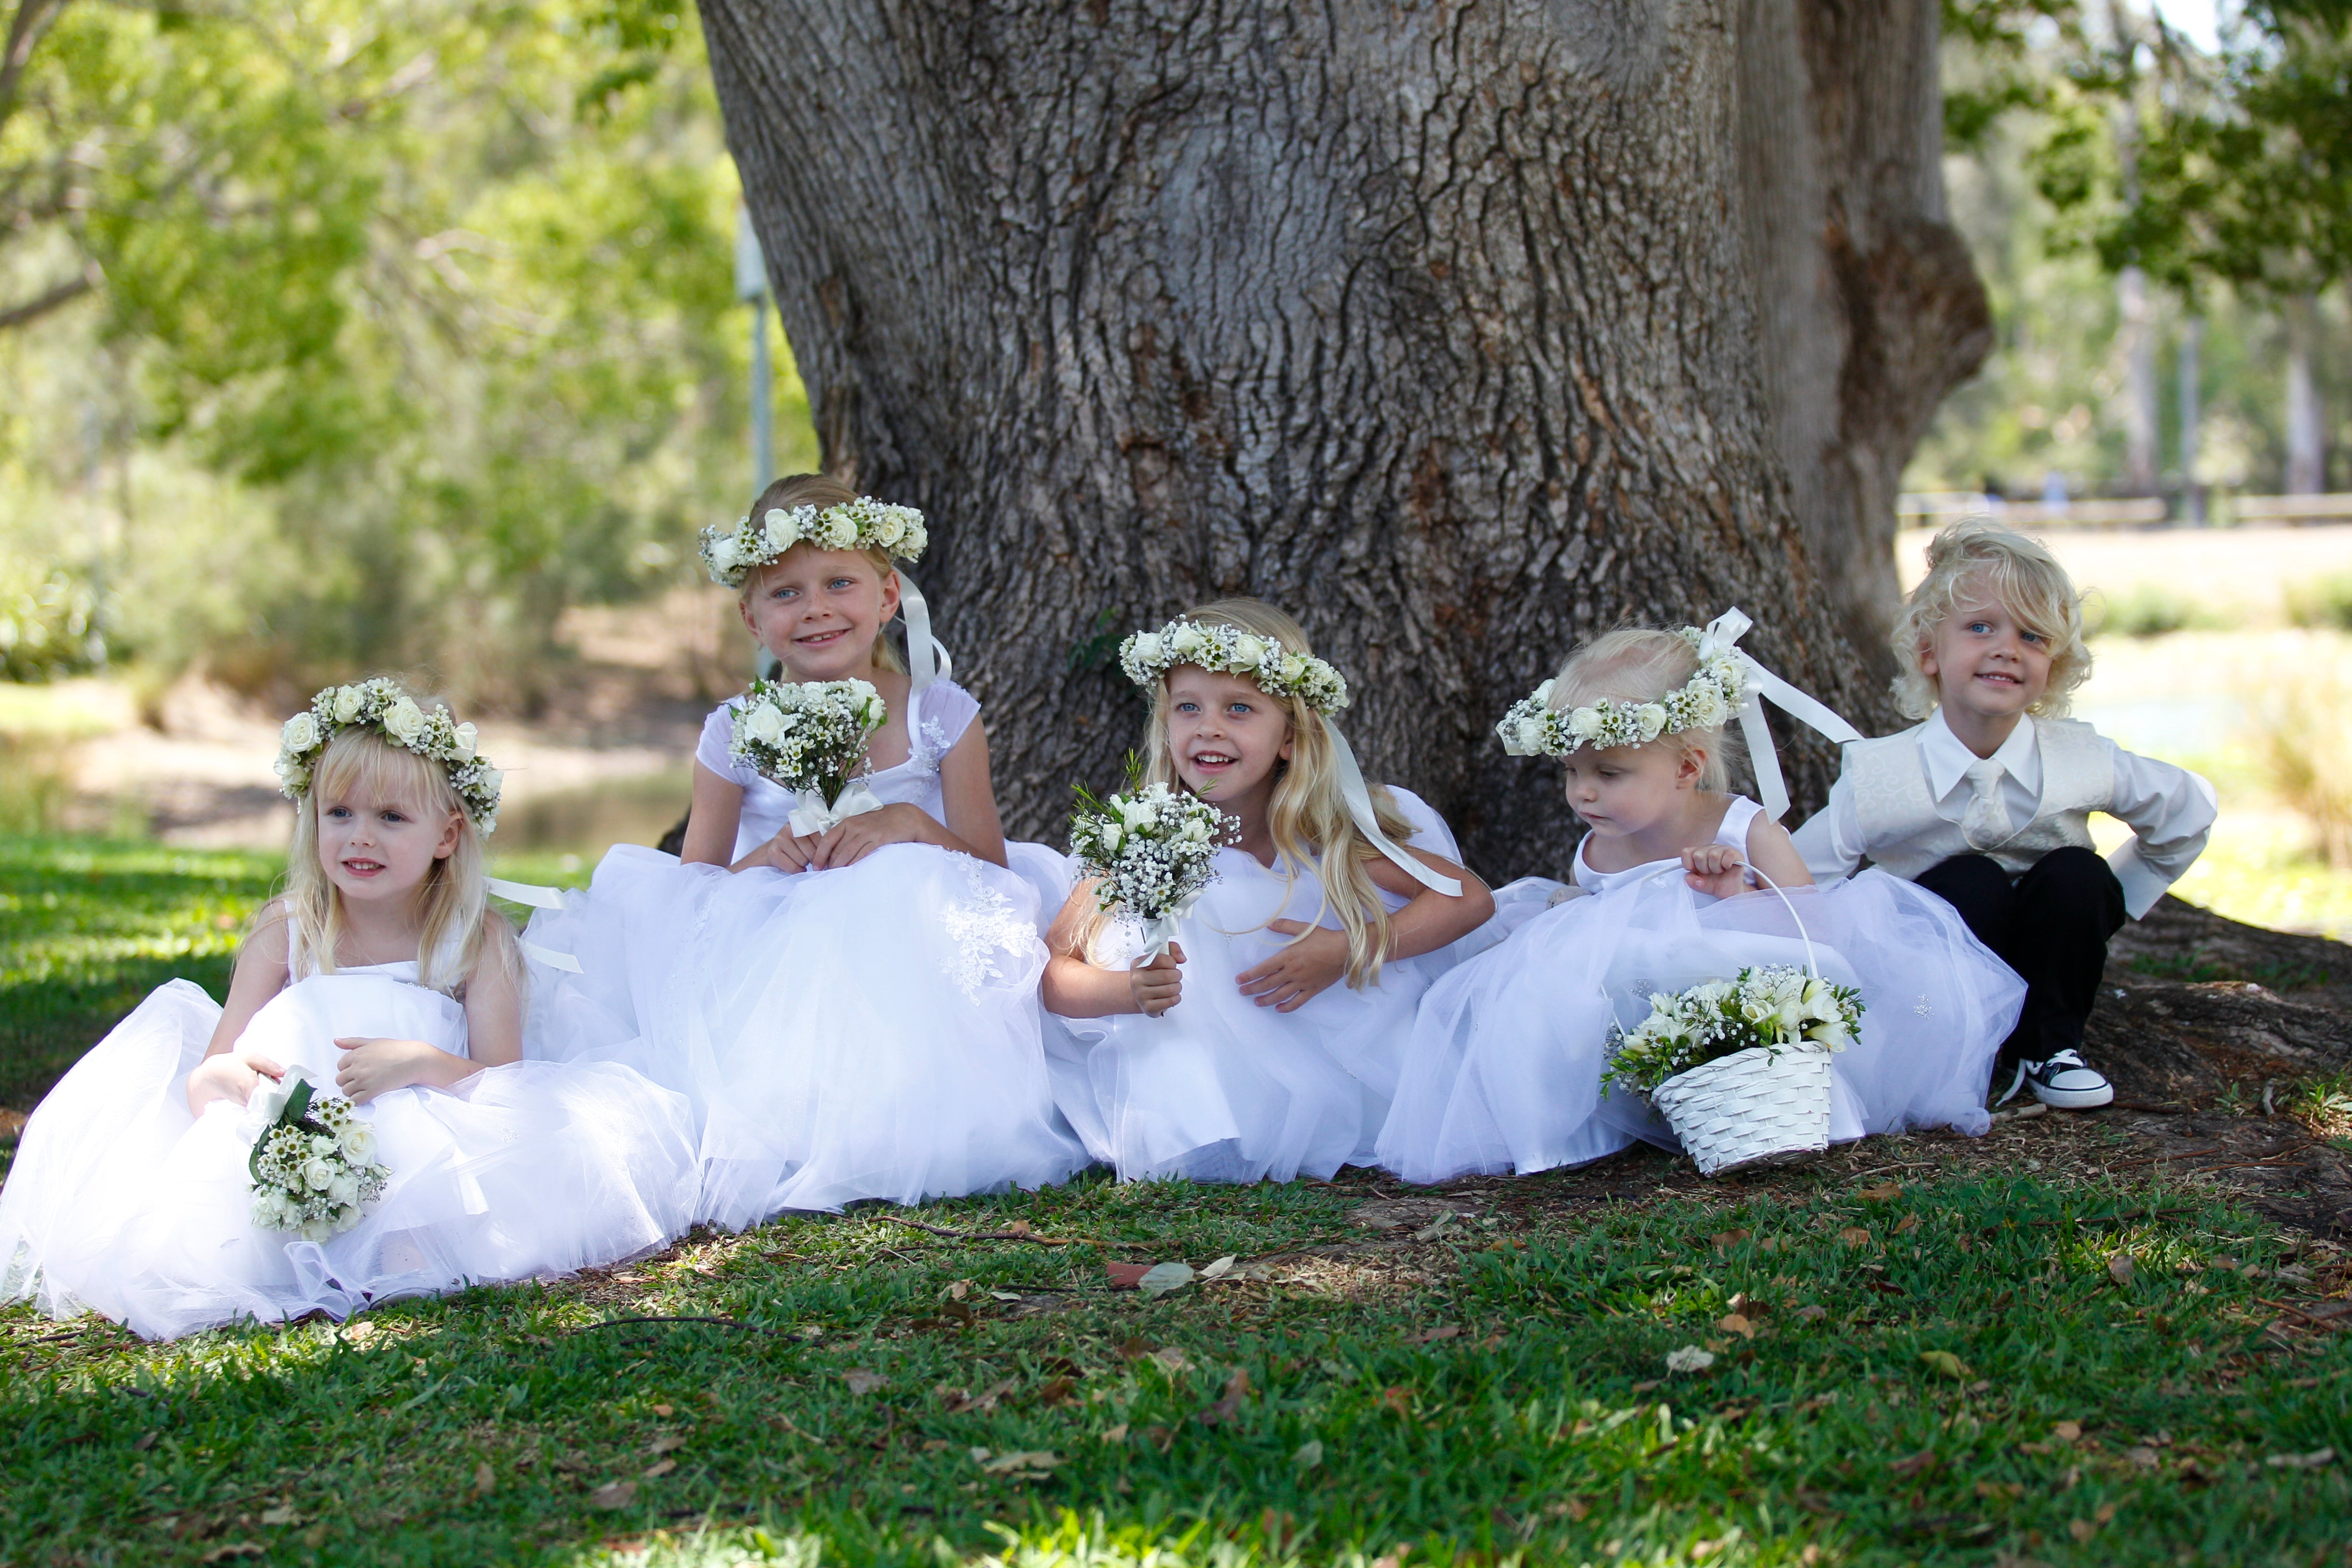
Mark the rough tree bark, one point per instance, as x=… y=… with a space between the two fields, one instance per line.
x=1434 y=324
x=1868 y=308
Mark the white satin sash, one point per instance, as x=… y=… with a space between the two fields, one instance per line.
x=927 y=657
x=1721 y=637
x=857 y=798
x=1359 y=797
x=539 y=898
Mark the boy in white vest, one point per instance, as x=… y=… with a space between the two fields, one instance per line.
x=1987 y=805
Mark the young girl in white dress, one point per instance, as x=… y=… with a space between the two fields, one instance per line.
x=380 y=977
x=851 y=1005
x=1505 y=1065
x=1266 y=1041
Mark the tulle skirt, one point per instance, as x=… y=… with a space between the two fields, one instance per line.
x=1504 y=1071
x=870 y=1031
x=1219 y=1089
x=123 y=1202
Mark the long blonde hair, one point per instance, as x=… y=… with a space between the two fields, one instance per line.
x=2023 y=577
x=1307 y=817
x=450 y=943
x=1633 y=665
x=819 y=491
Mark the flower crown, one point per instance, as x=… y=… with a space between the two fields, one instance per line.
x=381 y=706
x=1148 y=655
x=1533 y=728
x=732 y=554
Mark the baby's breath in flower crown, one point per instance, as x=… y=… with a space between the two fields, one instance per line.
x=380 y=705
x=1534 y=728
x=732 y=554
x=1229 y=650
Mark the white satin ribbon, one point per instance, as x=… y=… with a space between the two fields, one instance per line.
x=857 y=798
x=541 y=898
x=1359 y=797
x=923 y=648
x=1721 y=635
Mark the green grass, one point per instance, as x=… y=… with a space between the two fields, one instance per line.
x=1949 y=1373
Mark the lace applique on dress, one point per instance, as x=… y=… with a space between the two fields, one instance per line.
x=990 y=935
x=926 y=743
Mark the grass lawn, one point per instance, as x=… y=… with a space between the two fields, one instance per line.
x=1941 y=1362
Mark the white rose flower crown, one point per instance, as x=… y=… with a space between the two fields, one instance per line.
x=380 y=705
x=1729 y=684
x=732 y=555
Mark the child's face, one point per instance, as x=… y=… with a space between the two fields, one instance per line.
x=1983 y=662
x=1620 y=791
x=819 y=610
x=376 y=847
x=1226 y=735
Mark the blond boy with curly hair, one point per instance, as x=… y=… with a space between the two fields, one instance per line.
x=1987 y=804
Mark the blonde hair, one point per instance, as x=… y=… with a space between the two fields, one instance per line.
x=2023 y=577
x=1307 y=817
x=819 y=491
x=451 y=941
x=1633 y=665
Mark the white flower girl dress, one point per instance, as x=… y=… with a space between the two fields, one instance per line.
x=122 y=1201
x=1504 y=1069
x=1219 y=1089
x=867 y=1031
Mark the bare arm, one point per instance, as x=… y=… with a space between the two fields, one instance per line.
x=1318 y=957
x=370 y=1068
x=261 y=973
x=1074 y=988
x=711 y=822
x=1722 y=871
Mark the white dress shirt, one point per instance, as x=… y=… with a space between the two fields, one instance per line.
x=2169 y=810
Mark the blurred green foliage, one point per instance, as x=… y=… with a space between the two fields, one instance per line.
x=408 y=326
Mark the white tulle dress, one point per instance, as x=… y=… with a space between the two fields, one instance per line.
x=122 y=1201
x=1219 y=1089
x=1504 y=1074
x=868 y=1031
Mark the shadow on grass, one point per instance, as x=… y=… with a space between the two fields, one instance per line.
x=1949 y=1370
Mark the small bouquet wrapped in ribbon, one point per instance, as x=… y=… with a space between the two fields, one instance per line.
x=313 y=1165
x=1151 y=852
x=810 y=737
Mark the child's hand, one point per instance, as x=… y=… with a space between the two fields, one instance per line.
x=369 y=1068
x=1291 y=978
x=1159 y=984
x=1715 y=868
x=848 y=843
x=788 y=853
x=232 y=1076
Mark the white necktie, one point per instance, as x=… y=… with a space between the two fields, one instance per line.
x=1986 y=825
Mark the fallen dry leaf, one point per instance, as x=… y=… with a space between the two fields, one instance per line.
x=284 y=1513
x=1917 y=1463
x=861 y=1382
x=1117 y=1434
x=1885 y=1192
x=663 y=1410
x=1171 y=1359
x=2066 y=1431
x=2000 y=1491
x=656 y=1472
x=1020 y=1464
x=1946 y=1363
x=1056 y=1391
x=1225 y=1409
x=2310 y=1461
x=1811 y=1313
x=1910 y=1223
x=1217 y=1270
x=235 y=1549
x=1854 y=1236
x=958 y=1291
x=1310 y=1454
x=2119 y=1269
x=1725 y=1240
x=485 y=1479
x=957 y=1401
x=666 y=1445
x=2082 y=1530
x=1161 y=1277
x=613 y=1494
x=1431 y=1336
x=1737 y=1323
x=1126 y=1275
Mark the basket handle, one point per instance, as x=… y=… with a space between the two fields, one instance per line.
x=1812 y=968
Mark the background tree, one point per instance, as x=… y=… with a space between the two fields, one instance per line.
x=1437 y=324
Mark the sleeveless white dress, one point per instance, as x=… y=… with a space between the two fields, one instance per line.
x=1504 y=1073
x=122 y=1201
x=1219 y=1089
x=868 y=1031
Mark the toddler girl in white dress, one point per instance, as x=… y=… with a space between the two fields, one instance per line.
x=1508 y=1054
x=849 y=1001
x=379 y=975
x=1266 y=1041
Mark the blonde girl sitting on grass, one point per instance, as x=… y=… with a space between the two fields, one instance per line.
x=381 y=978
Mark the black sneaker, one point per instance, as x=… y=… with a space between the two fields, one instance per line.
x=2065 y=1082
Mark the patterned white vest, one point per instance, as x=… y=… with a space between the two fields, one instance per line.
x=1904 y=834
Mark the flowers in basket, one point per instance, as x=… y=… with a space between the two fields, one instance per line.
x=314 y=1165
x=810 y=737
x=1775 y=1006
x=1151 y=852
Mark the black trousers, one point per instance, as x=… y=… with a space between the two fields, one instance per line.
x=2051 y=925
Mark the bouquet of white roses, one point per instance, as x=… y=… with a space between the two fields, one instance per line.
x=313 y=1166
x=1151 y=851
x=810 y=737
x=1776 y=1006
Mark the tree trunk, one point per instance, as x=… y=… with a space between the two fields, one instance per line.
x=1434 y=324
x=1868 y=306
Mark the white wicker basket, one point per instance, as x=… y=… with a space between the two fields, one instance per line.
x=1754 y=1107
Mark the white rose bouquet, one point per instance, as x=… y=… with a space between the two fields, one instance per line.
x=811 y=738
x=313 y=1166
x=1777 y=1007
x=1151 y=852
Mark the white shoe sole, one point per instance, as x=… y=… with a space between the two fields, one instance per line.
x=2075 y=1099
